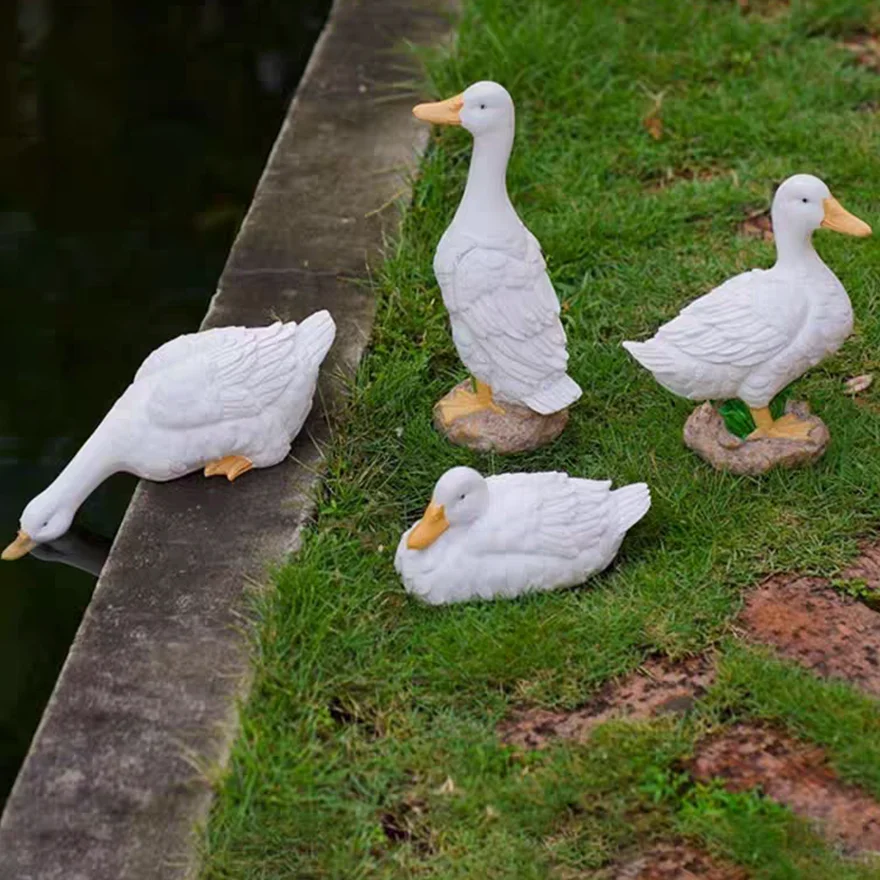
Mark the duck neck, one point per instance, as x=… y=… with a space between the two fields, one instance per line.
x=91 y=465
x=794 y=247
x=485 y=202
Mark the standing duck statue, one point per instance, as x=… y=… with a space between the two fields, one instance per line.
x=762 y=329
x=502 y=306
x=225 y=400
x=500 y=537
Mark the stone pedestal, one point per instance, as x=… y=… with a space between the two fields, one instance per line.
x=707 y=435
x=518 y=429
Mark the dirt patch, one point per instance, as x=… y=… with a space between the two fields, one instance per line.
x=866 y=568
x=757 y=225
x=793 y=773
x=805 y=620
x=865 y=49
x=676 y=861
x=660 y=686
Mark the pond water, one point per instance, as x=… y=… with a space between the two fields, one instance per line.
x=131 y=139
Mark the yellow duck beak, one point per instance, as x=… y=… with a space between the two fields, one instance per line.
x=446 y=112
x=429 y=528
x=21 y=546
x=840 y=220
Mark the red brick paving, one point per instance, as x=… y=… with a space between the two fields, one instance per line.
x=661 y=686
x=804 y=620
x=748 y=756
x=867 y=567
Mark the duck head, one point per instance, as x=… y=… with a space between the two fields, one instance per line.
x=483 y=108
x=43 y=520
x=459 y=498
x=803 y=203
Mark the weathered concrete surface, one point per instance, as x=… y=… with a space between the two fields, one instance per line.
x=114 y=785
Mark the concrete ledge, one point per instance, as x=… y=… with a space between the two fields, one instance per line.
x=111 y=787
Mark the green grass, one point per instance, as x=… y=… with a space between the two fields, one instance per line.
x=365 y=703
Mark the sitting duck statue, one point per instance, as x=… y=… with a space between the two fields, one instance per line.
x=502 y=306
x=762 y=329
x=225 y=400
x=500 y=537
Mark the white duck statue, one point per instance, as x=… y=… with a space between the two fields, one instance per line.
x=500 y=537
x=761 y=330
x=226 y=400
x=502 y=306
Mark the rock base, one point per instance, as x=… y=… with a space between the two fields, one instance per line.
x=707 y=435
x=517 y=429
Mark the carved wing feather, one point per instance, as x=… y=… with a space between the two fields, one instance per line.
x=234 y=375
x=743 y=322
x=506 y=317
x=548 y=514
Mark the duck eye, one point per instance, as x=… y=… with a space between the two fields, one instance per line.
x=805 y=200
x=461 y=497
x=482 y=106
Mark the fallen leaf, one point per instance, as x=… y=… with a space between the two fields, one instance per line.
x=866 y=48
x=858 y=383
x=654 y=126
x=448 y=787
x=758 y=225
x=652 y=122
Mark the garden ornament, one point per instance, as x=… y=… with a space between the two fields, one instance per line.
x=762 y=329
x=225 y=400
x=502 y=307
x=502 y=536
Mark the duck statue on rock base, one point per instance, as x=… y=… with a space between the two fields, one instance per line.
x=502 y=306
x=761 y=330
x=225 y=400
x=500 y=537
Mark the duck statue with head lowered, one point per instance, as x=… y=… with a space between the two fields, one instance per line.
x=224 y=401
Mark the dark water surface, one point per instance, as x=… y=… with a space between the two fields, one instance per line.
x=131 y=140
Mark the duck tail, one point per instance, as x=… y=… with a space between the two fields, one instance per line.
x=315 y=335
x=633 y=502
x=558 y=396
x=652 y=356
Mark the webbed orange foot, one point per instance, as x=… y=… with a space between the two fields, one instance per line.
x=463 y=403
x=230 y=466
x=787 y=427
